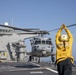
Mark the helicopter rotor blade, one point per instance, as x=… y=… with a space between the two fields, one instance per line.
x=32 y=28
x=66 y=26
x=71 y=25
x=28 y=30
x=16 y=28
x=36 y=32
x=25 y=33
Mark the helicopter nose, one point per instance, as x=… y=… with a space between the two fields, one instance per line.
x=43 y=48
x=48 y=46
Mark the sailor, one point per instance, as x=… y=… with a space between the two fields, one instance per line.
x=64 y=58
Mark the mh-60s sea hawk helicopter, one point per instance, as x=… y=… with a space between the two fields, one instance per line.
x=12 y=43
x=42 y=47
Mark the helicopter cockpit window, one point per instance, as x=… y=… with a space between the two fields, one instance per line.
x=38 y=42
x=43 y=42
x=49 y=42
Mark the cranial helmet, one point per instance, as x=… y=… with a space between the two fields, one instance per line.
x=63 y=37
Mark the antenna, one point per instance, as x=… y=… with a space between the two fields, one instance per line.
x=12 y=22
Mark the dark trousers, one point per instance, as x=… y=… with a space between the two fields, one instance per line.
x=65 y=67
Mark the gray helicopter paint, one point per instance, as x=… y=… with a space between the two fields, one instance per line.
x=41 y=49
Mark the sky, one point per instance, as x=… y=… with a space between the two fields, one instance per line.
x=43 y=14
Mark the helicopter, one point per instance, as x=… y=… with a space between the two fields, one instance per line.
x=41 y=47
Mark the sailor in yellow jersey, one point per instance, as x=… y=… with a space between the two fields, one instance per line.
x=64 y=58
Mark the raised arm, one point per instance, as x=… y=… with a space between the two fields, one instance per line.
x=59 y=33
x=68 y=33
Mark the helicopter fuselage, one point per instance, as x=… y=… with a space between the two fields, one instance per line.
x=41 y=47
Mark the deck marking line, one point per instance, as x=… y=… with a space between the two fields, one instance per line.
x=52 y=70
x=33 y=72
